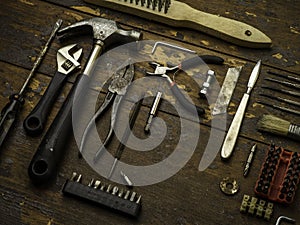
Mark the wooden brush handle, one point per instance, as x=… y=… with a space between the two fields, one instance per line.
x=182 y=15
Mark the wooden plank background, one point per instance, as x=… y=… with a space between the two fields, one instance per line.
x=190 y=196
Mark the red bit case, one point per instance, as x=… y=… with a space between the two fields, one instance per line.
x=279 y=175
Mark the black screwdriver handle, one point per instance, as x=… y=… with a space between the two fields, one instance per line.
x=35 y=121
x=184 y=102
x=8 y=115
x=45 y=161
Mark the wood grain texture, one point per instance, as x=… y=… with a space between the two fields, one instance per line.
x=188 y=197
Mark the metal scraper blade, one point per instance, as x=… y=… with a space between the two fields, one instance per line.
x=226 y=91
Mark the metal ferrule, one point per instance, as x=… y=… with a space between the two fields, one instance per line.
x=294 y=132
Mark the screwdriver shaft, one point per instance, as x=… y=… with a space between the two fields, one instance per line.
x=9 y=112
x=43 y=52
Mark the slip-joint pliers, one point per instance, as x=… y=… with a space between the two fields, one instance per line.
x=118 y=85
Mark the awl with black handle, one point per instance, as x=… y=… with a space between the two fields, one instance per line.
x=12 y=108
x=43 y=165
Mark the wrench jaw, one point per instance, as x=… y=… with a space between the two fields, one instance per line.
x=67 y=58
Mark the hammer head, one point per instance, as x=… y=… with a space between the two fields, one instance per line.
x=103 y=30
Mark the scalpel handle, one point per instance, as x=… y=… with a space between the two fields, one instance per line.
x=234 y=129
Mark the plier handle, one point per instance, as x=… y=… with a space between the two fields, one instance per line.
x=161 y=71
x=116 y=91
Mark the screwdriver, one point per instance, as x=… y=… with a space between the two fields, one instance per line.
x=9 y=112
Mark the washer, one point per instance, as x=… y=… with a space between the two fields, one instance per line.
x=229 y=186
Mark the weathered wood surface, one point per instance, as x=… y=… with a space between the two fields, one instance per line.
x=190 y=196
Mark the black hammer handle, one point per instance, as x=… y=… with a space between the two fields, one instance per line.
x=49 y=153
x=35 y=121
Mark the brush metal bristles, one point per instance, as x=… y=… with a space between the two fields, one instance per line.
x=154 y=4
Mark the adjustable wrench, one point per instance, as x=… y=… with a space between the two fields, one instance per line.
x=67 y=62
x=43 y=165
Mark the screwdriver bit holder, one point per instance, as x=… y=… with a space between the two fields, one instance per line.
x=279 y=175
x=112 y=197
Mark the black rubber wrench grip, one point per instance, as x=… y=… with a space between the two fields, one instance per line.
x=184 y=102
x=35 y=121
x=45 y=161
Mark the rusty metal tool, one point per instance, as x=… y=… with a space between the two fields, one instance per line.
x=226 y=91
x=284 y=109
x=179 y=14
x=231 y=137
x=285 y=83
x=289 y=101
x=10 y=111
x=284 y=91
x=289 y=77
x=43 y=165
x=67 y=62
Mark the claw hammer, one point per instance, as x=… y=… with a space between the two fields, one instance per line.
x=43 y=165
